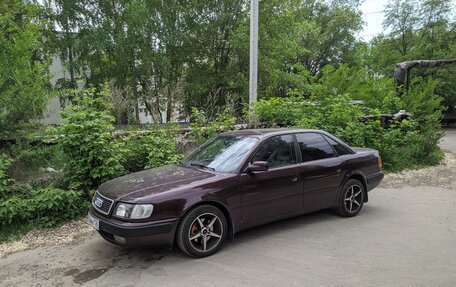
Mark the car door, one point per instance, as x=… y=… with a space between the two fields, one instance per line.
x=320 y=170
x=271 y=194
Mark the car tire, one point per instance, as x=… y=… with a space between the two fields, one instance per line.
x=351 y=198
x=202 y=231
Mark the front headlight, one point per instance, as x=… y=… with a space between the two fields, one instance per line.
x=133 y=211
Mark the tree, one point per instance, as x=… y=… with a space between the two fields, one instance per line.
x=299 y=38
x=402 y=18
x=217 y=72
x=197 y=52
x=421 y=30
x=24 y=77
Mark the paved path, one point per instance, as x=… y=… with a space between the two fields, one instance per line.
x=449 y=140
x=403 y=237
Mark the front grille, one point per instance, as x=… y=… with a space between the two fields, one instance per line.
x=102 y=204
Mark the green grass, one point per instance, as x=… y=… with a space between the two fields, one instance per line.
x=15 y=232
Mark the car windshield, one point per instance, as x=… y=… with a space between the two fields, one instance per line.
x=223 y=154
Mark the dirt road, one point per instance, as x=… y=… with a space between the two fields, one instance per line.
x=404 y=236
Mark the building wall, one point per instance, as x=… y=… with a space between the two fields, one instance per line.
x=52 y=113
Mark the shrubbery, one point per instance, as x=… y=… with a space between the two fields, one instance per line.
x=82 y=153
x=86 y=137
x=96 y=155
x=148 y=151
x=282 y=111
x=5 y=181
x=405 y=144
x=30 y=162
x=43 y=207
x=89 y=152
x=204 y=128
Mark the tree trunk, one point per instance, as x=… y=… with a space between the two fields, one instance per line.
x=169 y=104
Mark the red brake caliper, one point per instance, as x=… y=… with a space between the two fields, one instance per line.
x=194 y=230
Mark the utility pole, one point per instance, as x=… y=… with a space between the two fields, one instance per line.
x=253 y=76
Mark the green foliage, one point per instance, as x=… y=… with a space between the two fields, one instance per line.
x=337 y=116
x=355 y=82
x=203 y=128
x=285 y=111
x=418 y=30
x=162 y=150
x=404 y=147
x=44 y=207
x=199 y=49
x=5 y=181
x=148 y=151
x=14 y=232
x=86 y=138
x=406 y=144
x=24 y=78
x=334 y=114
x=31 y=161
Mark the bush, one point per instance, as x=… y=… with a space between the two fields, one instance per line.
x=86 y=138
x=282 y=111
x=203 y=128
x=5 y=181
x=148 y=151
x=162 y=150
x=30 y=161
x=406 y=144
x=337 y=116
x=44 y=208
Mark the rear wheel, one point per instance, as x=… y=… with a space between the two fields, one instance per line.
x=202 y=231
x=352 y=198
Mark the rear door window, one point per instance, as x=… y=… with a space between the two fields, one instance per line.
x=313 y=147
x=340 y=149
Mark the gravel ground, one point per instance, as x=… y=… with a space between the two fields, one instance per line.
x=68 y=233
x=442 y=176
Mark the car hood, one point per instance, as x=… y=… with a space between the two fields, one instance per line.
x=142 y=185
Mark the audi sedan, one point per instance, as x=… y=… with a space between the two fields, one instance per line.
x=235 y=181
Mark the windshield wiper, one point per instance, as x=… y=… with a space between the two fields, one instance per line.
x=202 y=166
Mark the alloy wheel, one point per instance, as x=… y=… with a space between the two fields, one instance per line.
x=205 y=232
x=353 y=198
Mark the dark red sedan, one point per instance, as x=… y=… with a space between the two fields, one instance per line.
x=235 y=181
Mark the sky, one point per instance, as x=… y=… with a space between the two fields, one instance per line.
x=373 y=18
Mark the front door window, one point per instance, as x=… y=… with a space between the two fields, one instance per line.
x=278 y=151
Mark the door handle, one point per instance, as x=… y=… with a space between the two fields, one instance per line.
x=294 y=179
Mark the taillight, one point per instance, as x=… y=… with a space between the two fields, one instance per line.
x=379 y=161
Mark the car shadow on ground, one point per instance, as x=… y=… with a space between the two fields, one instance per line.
x=249 y=236
x=108 y=258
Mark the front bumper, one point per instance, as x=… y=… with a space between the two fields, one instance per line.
x=132 y=234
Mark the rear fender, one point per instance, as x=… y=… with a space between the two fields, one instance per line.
x=358 y=175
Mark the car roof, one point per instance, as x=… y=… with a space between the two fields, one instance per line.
x=266 y=132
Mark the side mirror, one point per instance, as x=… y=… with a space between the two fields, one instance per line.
x=257 y=166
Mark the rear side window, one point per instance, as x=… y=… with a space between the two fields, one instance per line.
x=341 y=150
x=278 y=151
x=313 y=147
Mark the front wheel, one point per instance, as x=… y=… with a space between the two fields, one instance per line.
x=352 y=198
x=202 y=231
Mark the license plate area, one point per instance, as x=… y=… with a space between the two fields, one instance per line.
x=94 y=222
